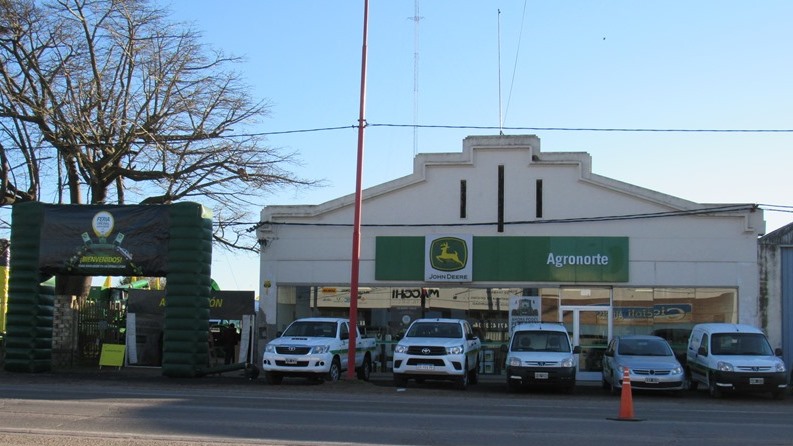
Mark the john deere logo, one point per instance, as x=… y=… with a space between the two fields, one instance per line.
x=448 y=254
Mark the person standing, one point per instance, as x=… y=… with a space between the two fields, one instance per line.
x=230 y=338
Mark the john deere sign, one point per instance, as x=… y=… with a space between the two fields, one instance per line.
x=448 y=258
x=461 y=258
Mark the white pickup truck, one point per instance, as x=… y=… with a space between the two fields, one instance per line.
x=316 y=348
x=438 y=349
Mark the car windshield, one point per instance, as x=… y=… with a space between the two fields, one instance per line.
x=540 y=341
x=644 y=347
x=312 y=329
x=752 y=344
x=435 y=330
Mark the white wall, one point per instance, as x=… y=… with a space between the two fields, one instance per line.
x=717 y=250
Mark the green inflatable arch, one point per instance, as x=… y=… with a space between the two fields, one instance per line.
x=172 y=241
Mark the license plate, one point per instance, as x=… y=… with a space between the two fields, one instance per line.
x=290 y=361
x=540 y=375
x=425 y=367
x=756 y=381
x=651 y=380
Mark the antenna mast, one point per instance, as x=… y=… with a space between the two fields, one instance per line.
x=416 y=18
x=500 y=119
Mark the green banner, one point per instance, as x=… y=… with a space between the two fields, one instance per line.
x=230 y=305
x=515 y=259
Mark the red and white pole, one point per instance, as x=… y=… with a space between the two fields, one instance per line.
x=356 y=232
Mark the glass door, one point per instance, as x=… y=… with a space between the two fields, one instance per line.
x=590 y=328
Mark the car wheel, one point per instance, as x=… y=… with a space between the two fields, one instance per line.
x=273 y=378
x=334 y=373
x=779 y=394
x=690 y=382
x=462 y=382
x=400 y=380
x=365 y=370
x=512 y=386
x=713 y=389
x=251 y=372
x=473 y=375
x=613 y=387
x=603 y=383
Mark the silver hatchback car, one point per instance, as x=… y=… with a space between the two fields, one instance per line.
x=650 y=361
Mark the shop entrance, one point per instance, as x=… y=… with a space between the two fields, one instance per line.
x=590 y=327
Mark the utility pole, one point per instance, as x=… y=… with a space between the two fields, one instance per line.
x=356 y=232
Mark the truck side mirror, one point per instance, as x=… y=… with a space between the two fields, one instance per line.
x=778 y=351
x=278 y=334
x=576 y=349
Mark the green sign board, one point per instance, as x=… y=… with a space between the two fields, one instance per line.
x=515 y=259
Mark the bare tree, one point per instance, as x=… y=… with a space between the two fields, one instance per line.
x=106 y=101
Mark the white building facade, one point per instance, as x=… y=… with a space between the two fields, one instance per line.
x=471 y=234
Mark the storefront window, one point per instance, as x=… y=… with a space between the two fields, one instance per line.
x=585 y=296
x=633 y=311
x=715 y=305
x=386 y=312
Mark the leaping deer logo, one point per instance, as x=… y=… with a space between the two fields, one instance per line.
x=447 y=255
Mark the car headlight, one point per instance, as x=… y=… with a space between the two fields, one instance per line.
x=513 y=361
x=269 y=348
x=677 y=371
x=780 y=366
x=320 y=349
x=456 y=350
x=622 y=370
x=400 y=348
x=724 y=366
x=567 y=362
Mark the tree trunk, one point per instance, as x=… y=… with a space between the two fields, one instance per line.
x=72 y=285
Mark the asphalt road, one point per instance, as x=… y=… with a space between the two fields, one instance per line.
x=123 y=407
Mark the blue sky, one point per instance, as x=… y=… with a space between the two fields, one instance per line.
x=562 y=64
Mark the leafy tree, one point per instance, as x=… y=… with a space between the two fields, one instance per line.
x=107 y=101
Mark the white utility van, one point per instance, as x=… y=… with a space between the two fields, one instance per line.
x=734 y=357
x=541 y=354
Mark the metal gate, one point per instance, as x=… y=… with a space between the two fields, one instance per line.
x=98 y=322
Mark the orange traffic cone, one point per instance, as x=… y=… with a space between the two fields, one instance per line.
x=626 y=399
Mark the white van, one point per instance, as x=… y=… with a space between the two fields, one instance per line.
x=734 y=357
x=541 y=354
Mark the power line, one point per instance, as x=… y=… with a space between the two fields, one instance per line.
x=470 y=127
x=776 y=208
x=590 y=129
x=515 y=65
x=720 y=209
x=548 y=129
x=703 y=211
